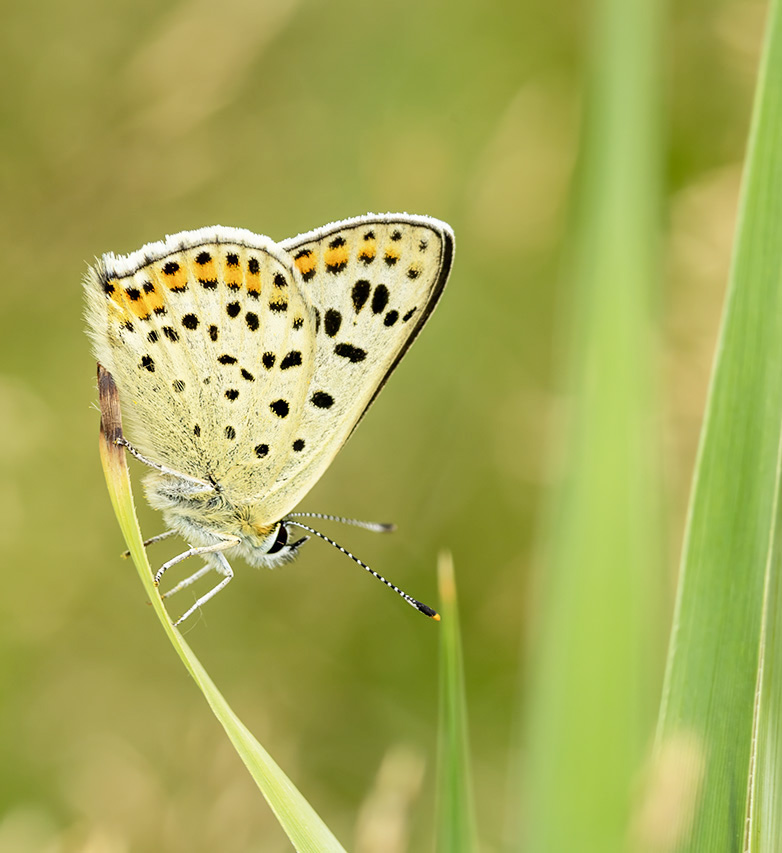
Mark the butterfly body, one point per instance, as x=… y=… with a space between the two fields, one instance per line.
x=243 y=365
x=207 y=517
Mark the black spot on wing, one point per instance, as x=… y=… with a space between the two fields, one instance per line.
x=331 y=322
x=292 y=359
x=351 y=353
x=379 y=299
x=360 y=294
x=280 y=408
x=322 y=400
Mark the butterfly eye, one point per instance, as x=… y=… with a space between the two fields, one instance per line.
x=281 y=541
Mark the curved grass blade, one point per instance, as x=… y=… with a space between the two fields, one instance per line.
x=304 y=827
x=455 y=819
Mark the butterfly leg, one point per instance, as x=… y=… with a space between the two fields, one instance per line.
x=153 y=539
x=222 y=566
x=189 y=580
x=123 y=442
x=225 y=569
x=159 y=537
x=222 y=545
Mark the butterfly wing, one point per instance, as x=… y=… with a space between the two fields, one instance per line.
x=209 y=337
x=373 y=282
x=252 y=362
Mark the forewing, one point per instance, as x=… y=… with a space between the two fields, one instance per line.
x=210 y=339
x=373 y=282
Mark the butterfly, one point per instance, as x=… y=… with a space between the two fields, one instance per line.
x=243 y=365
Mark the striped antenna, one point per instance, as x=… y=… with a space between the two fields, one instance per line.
x=374 y=526
x=422 y=608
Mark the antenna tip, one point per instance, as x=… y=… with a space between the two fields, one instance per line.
x=427 y=611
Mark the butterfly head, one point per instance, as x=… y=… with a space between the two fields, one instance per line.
x=273 y=545
x=282 y=543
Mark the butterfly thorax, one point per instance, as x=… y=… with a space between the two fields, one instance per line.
x=206 y=516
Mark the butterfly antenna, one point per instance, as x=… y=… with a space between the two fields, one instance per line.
x=423 y=608
x=374 y=526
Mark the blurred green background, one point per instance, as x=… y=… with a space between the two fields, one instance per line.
x=123 y=122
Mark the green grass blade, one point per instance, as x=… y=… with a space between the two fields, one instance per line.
x=594 y=674
x=726 y=620
x=305 y=829
x=455 y=819
x=764 y=830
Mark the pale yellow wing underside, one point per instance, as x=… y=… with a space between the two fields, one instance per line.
x=251 y=362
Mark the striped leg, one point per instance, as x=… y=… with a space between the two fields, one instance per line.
x=225 y=569
x=222 y=545
x=189 y=580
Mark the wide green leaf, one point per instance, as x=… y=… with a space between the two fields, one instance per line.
x=721 y=694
